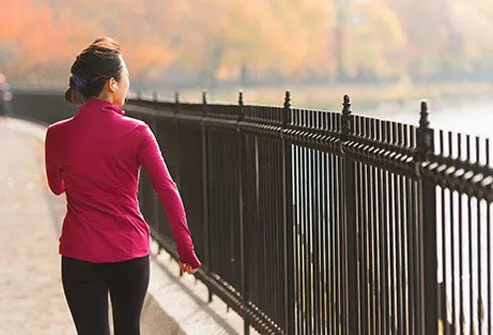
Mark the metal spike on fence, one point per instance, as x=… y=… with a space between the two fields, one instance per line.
x=346 y=118
x=346 y=104
x=205 y=110
x=240 y=99
x=287 y=100
x=425 y=133
x=286 y=110
x=424 y=121
x=204 y=97
x=177 y=103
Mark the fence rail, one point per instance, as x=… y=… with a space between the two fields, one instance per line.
x=320 y=222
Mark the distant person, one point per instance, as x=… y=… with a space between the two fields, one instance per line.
x=95 y=158
x=5 y=96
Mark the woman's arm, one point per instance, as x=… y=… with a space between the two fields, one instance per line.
x=151 y=158
x=52 y=164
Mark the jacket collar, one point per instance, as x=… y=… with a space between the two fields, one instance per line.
x=102 y=105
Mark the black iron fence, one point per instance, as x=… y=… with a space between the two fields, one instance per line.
x=318 y=222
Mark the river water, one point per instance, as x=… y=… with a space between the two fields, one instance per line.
x=473 y=116
x=464 y=234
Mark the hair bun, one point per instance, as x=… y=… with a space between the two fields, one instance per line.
x=78 y=82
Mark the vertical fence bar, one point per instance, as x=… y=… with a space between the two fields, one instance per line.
x=303 y=233
x=324 y=239
x=176 y=135
x=350 y=227
x=378 y=236
x=155 y=200
x=393 y=241
x=298 y=263
x=452 y=223
x=414 y=242
x=366 y=302
x=316 y=231
x=452 y=229
x=205 y=187
x=362 y=285
x=478 y=211
x=389 y=241
x=241 y=181
x=488 y=241
x=428 y=231
x=382 y=218
x=288 y=218
x=334 y=315
x=309 y=227
x=372 y=236
x=470 y=249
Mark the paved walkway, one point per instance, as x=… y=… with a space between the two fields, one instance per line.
x=31 y=296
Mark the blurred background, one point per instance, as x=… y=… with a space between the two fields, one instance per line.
x=386 y=54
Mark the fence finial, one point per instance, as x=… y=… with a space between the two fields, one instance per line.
x=204 y=97
x=177 y=102
x=346 y=105
x=425 y=136
x=347 y=118
x=241 y=102
x=424 y=121
x=287 y=100
x=205 y=106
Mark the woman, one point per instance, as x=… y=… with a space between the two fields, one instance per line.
x=5 y=96
x=95 y=158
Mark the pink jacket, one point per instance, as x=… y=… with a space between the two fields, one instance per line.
x=95 y=158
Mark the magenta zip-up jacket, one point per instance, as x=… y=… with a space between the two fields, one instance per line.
x=95 y=158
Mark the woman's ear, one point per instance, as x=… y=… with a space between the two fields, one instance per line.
x=113 y=85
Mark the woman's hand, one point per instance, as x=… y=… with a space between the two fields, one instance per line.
x=187 y=268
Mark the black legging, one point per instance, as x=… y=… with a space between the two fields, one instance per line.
x=87 y=285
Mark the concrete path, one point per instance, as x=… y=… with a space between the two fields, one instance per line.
x=31 y=295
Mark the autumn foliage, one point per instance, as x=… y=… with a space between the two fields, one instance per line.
x=215 y=40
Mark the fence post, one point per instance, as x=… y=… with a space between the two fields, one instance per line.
x=176 y=148
x=350 y=227
x=205 y=189
x=427 y=228
x=156 y=204
x=243 y=235
x=176 y=135
x=288 y=227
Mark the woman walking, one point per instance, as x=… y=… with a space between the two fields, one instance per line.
x=95 y=158
x=5 y=96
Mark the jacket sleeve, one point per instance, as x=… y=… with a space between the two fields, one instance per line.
x=151 y=158
x=52 y=164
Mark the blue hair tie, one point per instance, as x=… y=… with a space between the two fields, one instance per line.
x=78 y=83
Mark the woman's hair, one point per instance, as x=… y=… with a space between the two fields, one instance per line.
x=97 y=63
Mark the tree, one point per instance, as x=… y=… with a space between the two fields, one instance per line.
x=426 y=25
x=259 y=35
x=374 y=40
